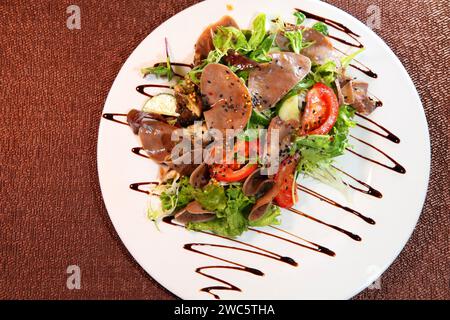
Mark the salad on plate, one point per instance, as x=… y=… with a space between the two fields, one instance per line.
x=259 y=110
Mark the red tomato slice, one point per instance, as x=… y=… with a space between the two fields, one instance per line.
x=285 y=179
x=321 y=110
x=227 y=173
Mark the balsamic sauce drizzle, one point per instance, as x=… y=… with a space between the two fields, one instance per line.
x=339 y=229
x=110 y=116
x=370 y=190
x=317 y=247
x=179 y=64
x=140 y=152
x=235 y=265
x=135 y=186
x=361 y=67
x=397 y=166
x=334 y=203
x=388 y=135
x=141 y=88
x=337 y=25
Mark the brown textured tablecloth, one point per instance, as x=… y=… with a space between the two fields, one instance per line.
x=54 y=82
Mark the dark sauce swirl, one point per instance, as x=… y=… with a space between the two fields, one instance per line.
x=112 y=117
x=141 y=88
x=387 y=134
x=339 y=229
x=336 y=204
x=397 y=166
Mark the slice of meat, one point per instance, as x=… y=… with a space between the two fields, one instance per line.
x=193 y=212
x=355 y=93
x=263 y=203
x=321 y=48
x=228 y=96
x=223 y=116
x=200 y=176
x=195 y=208
x=285 y=131
x=270 y=82
x=204 y=43
x=156 y=139
x=219 y=82
x=257 y=184
x=347 y=92
x=135 y=118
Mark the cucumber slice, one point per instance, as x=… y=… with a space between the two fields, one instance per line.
x=259 y=118
x=163 y=103
x=289 y=109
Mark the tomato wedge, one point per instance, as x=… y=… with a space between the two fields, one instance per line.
x=285 y=179
x=322 y=108
x=227 y=173
x=234 y=172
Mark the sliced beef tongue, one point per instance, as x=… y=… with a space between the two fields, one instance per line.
x=321 y=49
x=257 y=184
x=355 y=93
x=285 y=131
x=135 y=118
x=194 y=212
x=204 y=43
x=200 y=176
x=263 y=203
x=156 y=139
x=269 y=82
x=230 y=102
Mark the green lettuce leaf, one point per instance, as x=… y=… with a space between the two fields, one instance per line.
x=227 y=38
x=325 y=73
x=212 y=197
x=269 y=218
x=258 y=31
x=345 y=61
x=295 y=40
x=317 y=151
x=232 y=220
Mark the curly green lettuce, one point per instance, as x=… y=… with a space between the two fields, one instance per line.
x=318 y=151
x=229 y=203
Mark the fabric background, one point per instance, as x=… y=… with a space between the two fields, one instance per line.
x=54 y=82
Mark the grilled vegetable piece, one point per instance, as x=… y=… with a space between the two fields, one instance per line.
x=270 y=82
x=205 y=44
x=189 y=104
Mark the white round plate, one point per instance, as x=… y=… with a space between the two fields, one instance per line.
x=317 y=276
